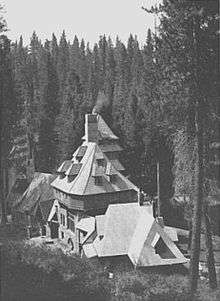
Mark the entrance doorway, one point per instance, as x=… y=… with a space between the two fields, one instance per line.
x=54 y=229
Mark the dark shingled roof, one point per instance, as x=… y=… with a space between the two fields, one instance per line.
x=16 y=191
x=46 y=207
x=38 y=191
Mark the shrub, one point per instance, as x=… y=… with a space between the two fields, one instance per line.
x=39 y=273
x=151 y=287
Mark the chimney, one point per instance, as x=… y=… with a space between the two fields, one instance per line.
x=91 y=128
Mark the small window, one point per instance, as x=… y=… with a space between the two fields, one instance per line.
x=101 y=237
x=112 y=178
x=101 y=162
x=62 y=219
x=71 y=224
x=62 y=234
x=98 y=181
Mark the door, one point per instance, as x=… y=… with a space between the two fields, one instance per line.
x=54 y=228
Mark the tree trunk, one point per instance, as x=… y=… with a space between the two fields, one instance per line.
x=199 y=174
x=197 y=213
x=209 y=249
x=3 y=195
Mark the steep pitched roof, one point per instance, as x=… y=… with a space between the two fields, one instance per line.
x=39 y=190
x=84 y=183
x=121 y=220
x=46 y=207
x=16 y=191
x=104 y=130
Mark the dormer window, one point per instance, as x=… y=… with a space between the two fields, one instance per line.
x=111 y=173
x=101 y=162
x=98 y=180
x=112 y=178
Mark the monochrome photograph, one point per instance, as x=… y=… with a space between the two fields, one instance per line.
x=110 y=150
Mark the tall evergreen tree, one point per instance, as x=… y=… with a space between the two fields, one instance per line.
x=69 y=123
x=47 y=143
x=7 y=110
x=182 y=48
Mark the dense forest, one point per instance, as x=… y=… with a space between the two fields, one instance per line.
x=162 y=100
x=148 y=96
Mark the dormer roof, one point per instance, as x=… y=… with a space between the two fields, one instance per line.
x=64 y=166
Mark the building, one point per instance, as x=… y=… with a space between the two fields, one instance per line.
x=92 y=179
x=31 y=209
x=128 y=232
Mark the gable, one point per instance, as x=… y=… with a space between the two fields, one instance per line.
x=155 y=248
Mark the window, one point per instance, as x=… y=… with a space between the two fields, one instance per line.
x=71 y=224
x=62 y=235
x=98 y=180
x=112 y=178
x=101 y=162
x=62 y=219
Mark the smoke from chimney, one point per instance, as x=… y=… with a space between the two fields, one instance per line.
x=102 y=103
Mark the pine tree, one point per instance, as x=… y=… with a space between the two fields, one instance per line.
x=47 y=143
x=7 y=110
x=182 y=48
x=63 y=61
x=69 y=123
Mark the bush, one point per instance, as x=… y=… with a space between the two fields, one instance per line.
x=206 y=294
x=39 y=273
x=151 y=287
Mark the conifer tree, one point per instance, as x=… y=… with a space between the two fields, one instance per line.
x=47 y=143
x=182 y=49
x=7 y=110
